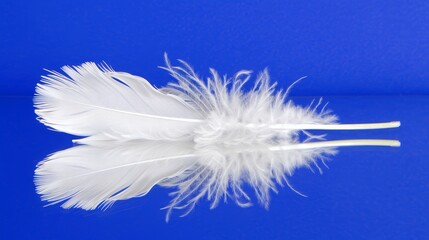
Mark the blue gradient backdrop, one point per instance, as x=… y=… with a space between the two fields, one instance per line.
x=345 y=47
x=366 y=57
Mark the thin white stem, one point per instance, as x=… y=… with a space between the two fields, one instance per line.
x=358 y=126
x=338 y=143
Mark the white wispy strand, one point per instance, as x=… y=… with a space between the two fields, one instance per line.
x=204 y=138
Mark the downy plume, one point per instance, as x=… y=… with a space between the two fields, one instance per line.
x=203 y=138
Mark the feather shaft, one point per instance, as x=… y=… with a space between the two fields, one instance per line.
x=338 y=143
x=358 y=126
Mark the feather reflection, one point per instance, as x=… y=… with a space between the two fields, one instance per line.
x=91 y=176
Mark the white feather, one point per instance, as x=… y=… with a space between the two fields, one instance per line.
x=92 y=101
x=205 y=138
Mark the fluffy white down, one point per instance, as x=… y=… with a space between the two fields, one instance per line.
x=230 y=131
x=234 y=140
x=233 y=116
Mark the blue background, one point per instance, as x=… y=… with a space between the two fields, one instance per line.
x=345 y=47
x=369 y=58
